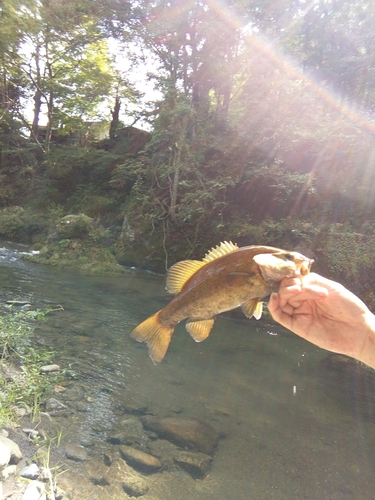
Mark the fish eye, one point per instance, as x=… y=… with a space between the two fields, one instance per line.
x=289 y=256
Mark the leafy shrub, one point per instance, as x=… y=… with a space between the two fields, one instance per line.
x=20 y=224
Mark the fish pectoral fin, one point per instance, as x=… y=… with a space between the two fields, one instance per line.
x=179 y=273
x=200 y=330
x=156 y=335
x=253 y=307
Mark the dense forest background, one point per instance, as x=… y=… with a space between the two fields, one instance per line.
x=174 y=125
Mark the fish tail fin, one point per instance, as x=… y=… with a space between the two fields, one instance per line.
x=156 y=335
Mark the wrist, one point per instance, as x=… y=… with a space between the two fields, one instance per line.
x=367 y=354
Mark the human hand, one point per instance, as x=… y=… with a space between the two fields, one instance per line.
x=327 y=314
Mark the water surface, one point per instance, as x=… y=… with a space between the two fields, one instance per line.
x=290 y=429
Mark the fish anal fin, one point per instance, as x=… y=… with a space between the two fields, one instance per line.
x=200 y=330
x=179 y=273
x=156 y=335
x=253 y=307
x=224 y=248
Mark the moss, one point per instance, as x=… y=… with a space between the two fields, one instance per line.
x=75 y=242
x=78 y=256
x=74 y=226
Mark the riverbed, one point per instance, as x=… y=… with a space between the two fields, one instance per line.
x=287 y=431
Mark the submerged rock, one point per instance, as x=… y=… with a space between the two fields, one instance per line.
x=55 y=407
x=139 y=459
x=75 y=452
x=134 y=486
x=196 y=464
x=165 y=451
x=131 y=432
x=190 y=433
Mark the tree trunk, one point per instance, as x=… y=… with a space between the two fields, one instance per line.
x=177 y=165
x=37 y=97
x=37 y=108
x=3 y=112
x=50 y=102
x=115 y=118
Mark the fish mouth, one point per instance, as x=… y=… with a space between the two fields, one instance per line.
x=274 y=267
x=305 y=265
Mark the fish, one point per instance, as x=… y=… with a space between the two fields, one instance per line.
x=226 y=278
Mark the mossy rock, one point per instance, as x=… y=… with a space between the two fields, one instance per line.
x=77 y=254
x=74 y=226
x=76 y=242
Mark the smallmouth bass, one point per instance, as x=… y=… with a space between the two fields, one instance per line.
x=226 y=278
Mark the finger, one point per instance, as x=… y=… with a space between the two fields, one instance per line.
x=306 y=292
x=290 y=282
x=278 y=314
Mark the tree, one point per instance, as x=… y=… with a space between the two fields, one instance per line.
x=63 y=59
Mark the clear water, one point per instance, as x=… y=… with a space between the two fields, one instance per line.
x=291 y=428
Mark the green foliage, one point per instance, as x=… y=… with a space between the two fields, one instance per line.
x=348 y=254
x=77 y=242
x=19 y=224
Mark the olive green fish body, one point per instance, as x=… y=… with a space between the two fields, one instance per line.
x=219 y=286
x=228 y=277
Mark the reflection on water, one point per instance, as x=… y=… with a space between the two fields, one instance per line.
x=289 y=429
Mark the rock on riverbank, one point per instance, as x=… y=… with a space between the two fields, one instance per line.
x=22 y=476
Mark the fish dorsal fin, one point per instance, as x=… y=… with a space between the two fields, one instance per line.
x=220 y=250
x=200 y=330
x=253 y=307
x=179 y=273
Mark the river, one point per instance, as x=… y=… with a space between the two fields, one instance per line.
x=292 y=426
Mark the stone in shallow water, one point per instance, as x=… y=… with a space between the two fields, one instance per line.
x=196 y=464
x=132 y=408
x=75 y=452
x=139 y=459
x=131 y=432
x=187 y=432
x=134 y=486
x=55 y=407
x=50 y=368
x=165 y=451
